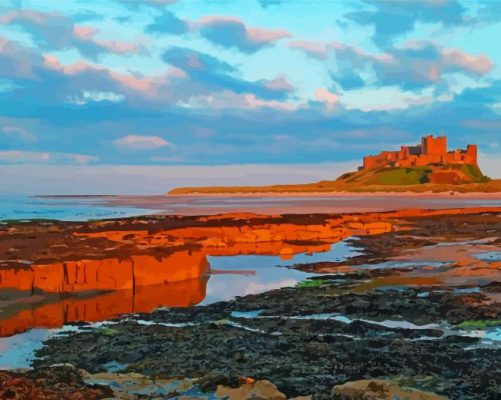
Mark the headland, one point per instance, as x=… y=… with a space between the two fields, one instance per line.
x=425 y=168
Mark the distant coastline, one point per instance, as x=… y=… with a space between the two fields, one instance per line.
x=338 y=188
x=72 y=196
x=368 y=194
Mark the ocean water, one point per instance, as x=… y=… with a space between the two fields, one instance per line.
x=19 y=207
x=82 y=208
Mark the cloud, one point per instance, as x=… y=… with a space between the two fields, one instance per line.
x=53 y=31
x=460 y=61
x=45 y=81
x=312 y=49
x=20 y=132
x=41 y=157
x=327 y=97
x=209 y=74
x=279 y=83
x=168 y=22
x=17 y=62
x=136 y=4
x=489 y=11
x=420 y=64
x=413 y=66
x=227 y=32
x=95 y=96
x=198 y=92
x=194 y=61
x=234 y=33
x=138 y=142
x=230 y=101
x=391 y=19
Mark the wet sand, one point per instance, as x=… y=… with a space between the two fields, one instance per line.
x=294 y=203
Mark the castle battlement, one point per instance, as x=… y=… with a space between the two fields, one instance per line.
x=432 y=150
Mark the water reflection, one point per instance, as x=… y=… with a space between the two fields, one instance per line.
x=270 y=271
x=55 y=311
x=251 y=269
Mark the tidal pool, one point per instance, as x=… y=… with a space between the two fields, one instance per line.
x=232 y=276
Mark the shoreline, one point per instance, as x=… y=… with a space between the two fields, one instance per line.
x=489 y=195
x=303 y=203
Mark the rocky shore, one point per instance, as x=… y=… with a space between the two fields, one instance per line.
x=416 y=315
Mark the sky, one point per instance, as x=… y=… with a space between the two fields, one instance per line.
x=265 y=91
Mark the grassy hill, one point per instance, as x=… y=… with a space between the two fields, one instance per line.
x=467 y=178
x=462 y=173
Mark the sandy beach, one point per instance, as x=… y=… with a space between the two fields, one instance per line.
x=303 y=203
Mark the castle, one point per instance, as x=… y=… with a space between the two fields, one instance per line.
x=432 y=150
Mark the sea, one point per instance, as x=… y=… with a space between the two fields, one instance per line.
x=96 y=207
x=81 y=208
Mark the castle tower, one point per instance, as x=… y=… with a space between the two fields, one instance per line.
x=370 y=162
x=472 y=152
x=432 y=146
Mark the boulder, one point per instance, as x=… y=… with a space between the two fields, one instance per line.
x=257 y=390
x=378 y=389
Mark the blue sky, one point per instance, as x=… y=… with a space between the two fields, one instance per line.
x=253 y=82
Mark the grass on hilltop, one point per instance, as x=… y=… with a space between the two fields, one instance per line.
x=392 y=179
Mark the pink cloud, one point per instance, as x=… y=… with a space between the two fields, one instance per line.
x=279 y=83
x=260 y=35
x=55 y=32
x=138 y=142
x=477 y=64
x=152 y=87
x=325 y=96
x=84 y=32
x=233 y=32
x=313 y=49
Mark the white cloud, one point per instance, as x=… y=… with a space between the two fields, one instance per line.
x=139 y=142
x=256 y=287
x=96 y=96
x=227 y=100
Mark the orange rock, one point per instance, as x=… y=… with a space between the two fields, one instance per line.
x=106 y=305
x=178 y=267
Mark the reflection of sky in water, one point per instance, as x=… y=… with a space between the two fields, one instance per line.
x=489 y=256
x=270 y=272
x=17 y=351
x=493 y=334
x=154 y=388
x=403 y=264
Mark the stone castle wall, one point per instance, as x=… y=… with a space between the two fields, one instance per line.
x=433 y=150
